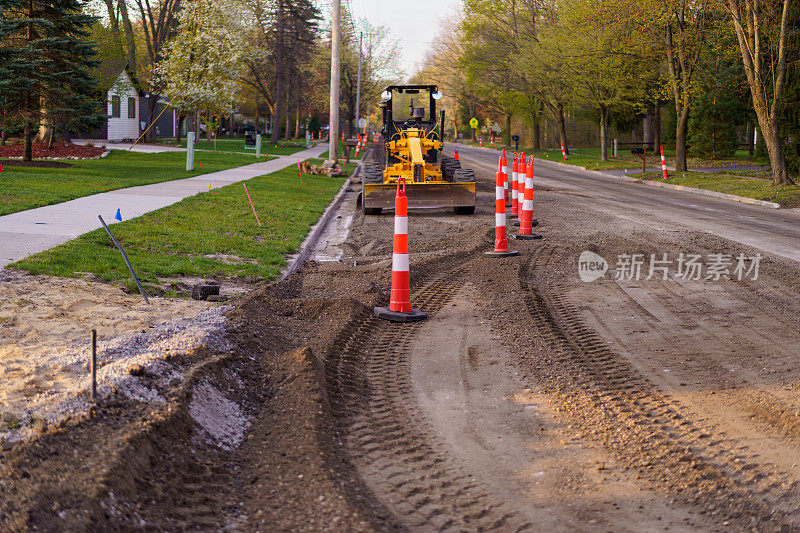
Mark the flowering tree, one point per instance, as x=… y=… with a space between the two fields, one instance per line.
x=202 y=63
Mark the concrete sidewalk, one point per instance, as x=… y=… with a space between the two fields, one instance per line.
x=141 y=147
x=29 y=232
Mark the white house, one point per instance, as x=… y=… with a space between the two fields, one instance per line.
x=123 y=108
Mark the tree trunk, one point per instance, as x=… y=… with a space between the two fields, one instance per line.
x=508 y=130
x=152 y=106
x=562 y=128
x=114 y=21
x=196 y=126
x=279 y=81
x=208 y=129
x=680 y=140
x=130 y=41
x=50 y=140
x=748 y=137
x=657 y=126
x=603 y=133
x=287 y=134
x=28 y=135
x=181 y=118
x=297 y=119
x=777 y=159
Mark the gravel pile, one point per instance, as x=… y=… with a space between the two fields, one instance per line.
x=146 y=352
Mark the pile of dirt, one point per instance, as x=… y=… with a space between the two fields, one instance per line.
x=60 y=150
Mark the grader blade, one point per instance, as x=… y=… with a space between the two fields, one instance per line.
x=420 y=195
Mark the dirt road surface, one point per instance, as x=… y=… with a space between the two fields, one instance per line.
x=528 y=401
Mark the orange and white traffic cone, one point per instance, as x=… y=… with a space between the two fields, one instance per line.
x=456 y=153
x=563 y=152
x=399 y=309
x=505 y=175
x=664 y=165
x=522 y=171
x=480 y=141
x=514 y=186
x=500 y=235
x=358 y=146
x=526 y=214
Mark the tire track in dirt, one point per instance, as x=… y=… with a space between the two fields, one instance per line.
x=385 y=438
x=620 y=408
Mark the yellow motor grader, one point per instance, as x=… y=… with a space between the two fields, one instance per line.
x=413 y=151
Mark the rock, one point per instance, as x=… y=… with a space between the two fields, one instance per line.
x=10 y=420
x=136 y=370
x=202 y=291
x=41 y=426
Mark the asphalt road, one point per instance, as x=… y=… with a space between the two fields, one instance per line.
x=771 y=230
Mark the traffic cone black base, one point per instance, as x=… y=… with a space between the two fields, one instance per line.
x=531 y=237
x=502 y=254
x=395 y=316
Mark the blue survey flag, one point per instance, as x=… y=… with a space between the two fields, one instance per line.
x=118 y=216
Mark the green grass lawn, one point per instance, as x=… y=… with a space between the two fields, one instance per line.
x=786 y=195
x=237 y=145
x=212 y=234
x=590 y=157
x=24 y=188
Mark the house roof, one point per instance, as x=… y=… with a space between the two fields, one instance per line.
x=109 y=72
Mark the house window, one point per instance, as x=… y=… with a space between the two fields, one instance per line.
x=115 y=105
x=131 y=107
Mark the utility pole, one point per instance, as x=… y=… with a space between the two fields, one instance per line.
x=358 y=84
x=333 y=121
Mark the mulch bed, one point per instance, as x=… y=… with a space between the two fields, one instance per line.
x=59 y=150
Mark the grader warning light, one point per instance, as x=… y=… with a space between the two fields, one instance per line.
x=413 y=134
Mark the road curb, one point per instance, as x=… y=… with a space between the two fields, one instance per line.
x=316 y=230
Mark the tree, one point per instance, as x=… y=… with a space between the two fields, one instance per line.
x=158 y=23
x=721 y=103
x=281 y=37
x=685 y=26
x=46 y=61
x=201 y=65
x=762 y=30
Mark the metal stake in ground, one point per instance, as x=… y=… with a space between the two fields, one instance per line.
x=399 y=309
x=94 y=364
x=500 y=235
x=125 y=257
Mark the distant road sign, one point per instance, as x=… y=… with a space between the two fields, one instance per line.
x=362 y=123
x=473 y=123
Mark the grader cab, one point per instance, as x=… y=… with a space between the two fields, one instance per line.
x=413 y=152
